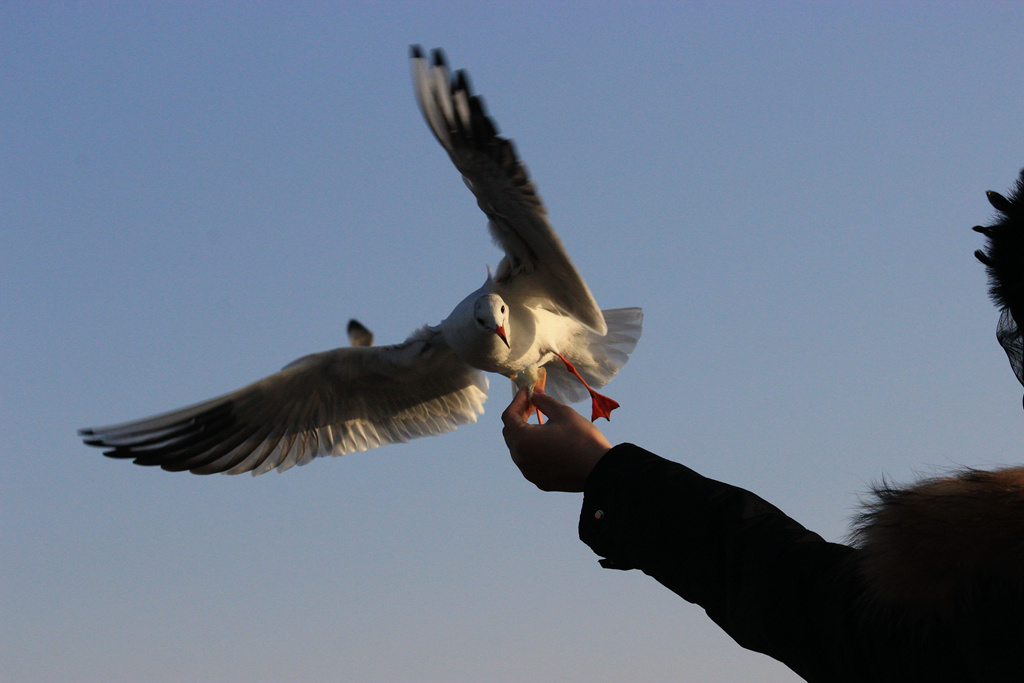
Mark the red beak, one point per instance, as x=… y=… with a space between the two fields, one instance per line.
x=500 y=331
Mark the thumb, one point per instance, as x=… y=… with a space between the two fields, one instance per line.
x=517 y=410
x=549 y=406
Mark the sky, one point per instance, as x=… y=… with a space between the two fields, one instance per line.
x=193 y=195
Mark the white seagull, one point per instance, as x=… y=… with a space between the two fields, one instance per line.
x=533 y=320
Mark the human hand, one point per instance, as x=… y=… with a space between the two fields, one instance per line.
x=558 y=455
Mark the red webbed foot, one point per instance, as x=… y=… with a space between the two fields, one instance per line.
x=600 y=405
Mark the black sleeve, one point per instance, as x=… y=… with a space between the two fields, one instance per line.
x=774 y=586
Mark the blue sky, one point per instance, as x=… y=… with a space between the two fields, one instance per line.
x=194 y=194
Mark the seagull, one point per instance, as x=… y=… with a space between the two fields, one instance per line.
x=533 y=320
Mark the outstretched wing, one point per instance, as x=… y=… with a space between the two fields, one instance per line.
x=330 y=403
x=1004 y=260
x=535 y=262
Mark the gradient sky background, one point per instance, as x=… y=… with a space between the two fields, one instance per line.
x=194 y=194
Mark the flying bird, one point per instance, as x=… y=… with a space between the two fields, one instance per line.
x=533 y=320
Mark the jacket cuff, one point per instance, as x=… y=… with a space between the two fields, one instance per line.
x=607 y=508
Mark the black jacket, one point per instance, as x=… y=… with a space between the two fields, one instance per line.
x=782 y=590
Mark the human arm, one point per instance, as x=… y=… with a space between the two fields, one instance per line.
x=774 y=586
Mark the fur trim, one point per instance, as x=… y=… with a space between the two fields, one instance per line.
x=939 y=544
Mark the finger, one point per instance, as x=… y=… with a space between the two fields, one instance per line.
x=518 y=410
x=528 y=409
x=549 y=406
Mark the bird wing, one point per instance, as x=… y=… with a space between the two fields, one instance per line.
x=535 y=264
x=331 y=403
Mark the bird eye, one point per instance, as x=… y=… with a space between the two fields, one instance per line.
x=502 y=309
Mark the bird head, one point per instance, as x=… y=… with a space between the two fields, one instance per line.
x=491 y=314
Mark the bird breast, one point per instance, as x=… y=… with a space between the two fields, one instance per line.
x=484 y=350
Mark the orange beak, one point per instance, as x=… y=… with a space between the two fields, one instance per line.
x=500 y=331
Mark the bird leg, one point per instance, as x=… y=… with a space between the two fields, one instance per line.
x=600 y=405
x=542 y=380
x=532 y=379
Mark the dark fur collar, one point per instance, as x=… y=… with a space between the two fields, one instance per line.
x=943 y=543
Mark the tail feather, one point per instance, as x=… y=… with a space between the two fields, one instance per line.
x=604 y=357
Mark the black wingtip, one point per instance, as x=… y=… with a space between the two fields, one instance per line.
x=462 y=82
x=120 y=454
x=415 y=52
x=439 y=58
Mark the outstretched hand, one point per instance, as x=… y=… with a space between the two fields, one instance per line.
x=558 y=455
